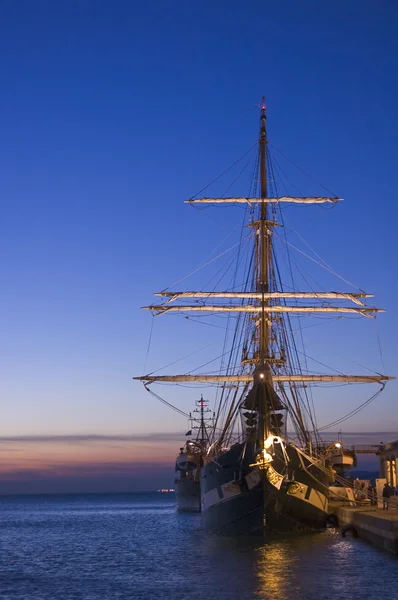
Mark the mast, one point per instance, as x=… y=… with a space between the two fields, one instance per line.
x=262 y=373
x=202 y=430
x=262 y=303
x=263 y=275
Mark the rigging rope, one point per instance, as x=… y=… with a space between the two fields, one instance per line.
x=149 y=344
x=327 y=268
x=236 y=179
x=302 y=170
x=380 y=350
x=178 y=410
x=355 y=411
x=223 y=173
x=208 y=262
x=222 y=399
x=284 y=174
x=296 y=394
x=324 y=261
x=180 y=359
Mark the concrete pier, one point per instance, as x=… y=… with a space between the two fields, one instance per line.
x=376 y=526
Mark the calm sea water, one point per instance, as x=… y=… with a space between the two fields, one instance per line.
x=136 y=546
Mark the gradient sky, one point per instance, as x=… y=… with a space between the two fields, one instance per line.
x=111 y=115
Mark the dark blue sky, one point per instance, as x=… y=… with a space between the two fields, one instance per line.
x=112 y=113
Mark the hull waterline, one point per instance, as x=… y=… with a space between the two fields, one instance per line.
x=188 y=495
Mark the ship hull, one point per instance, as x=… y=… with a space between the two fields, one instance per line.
x=187 y=481
x=240 y=515
x=188 y=495
x=240 y=500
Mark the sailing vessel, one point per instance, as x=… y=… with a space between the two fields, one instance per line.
x=190 y=460
x=258 y=478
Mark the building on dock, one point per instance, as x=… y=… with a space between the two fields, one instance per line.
x=388 y=455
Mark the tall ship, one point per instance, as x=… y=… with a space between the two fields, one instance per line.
x=190 y=459
x=266 y=469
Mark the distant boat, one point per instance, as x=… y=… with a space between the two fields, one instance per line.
x=341 y=459
x=256 y=478
x=190 y=461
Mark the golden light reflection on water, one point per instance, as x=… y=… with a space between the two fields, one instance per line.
x=321 y=566
x=272 y=563
x=280 y=572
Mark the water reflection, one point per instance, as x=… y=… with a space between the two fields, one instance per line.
x=150 y=552
x=272 y=564
x=322 y=566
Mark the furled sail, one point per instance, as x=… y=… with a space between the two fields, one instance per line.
x=247 y=377
x=356 y=298
x=248 y=308
x=293 y=199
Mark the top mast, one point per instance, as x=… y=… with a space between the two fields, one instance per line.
x=202 y=430
x=262 y=373
x=263 y=284
x=263 y=156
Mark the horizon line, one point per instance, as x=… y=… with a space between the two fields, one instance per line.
x=161 y=436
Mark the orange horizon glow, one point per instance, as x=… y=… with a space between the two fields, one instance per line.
x=20 y=456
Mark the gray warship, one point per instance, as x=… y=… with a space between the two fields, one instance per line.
x=190 y=460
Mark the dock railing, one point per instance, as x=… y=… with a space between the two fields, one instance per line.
x=362 y=496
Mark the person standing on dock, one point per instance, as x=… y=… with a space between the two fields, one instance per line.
x=387 y=493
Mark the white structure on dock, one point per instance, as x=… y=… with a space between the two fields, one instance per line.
x=388 y=455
